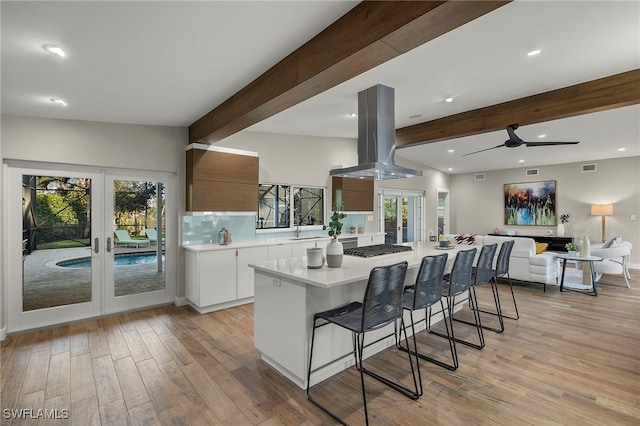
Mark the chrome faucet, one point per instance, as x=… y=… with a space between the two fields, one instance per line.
x=297 y=219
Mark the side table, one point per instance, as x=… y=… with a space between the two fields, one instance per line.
x=590 y=260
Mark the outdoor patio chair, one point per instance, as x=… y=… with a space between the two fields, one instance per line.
x=152 y=235
x=124 y=239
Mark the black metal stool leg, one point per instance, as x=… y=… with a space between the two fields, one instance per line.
x=449 y=336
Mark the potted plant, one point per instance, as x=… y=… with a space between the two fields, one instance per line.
x=335 y=251
x=572 y=248
x=564 y=219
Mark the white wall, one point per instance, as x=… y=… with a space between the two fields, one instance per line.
x=108 y=145
x=477 y=206
x=127 y=146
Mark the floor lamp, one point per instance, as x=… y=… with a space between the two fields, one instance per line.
x=602 y=210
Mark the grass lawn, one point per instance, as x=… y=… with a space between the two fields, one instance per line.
x=64 y=244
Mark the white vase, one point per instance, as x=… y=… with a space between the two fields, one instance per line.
x=335 y=253
x=560 y=231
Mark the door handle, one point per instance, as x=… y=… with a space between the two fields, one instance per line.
x=96 y=245
x=108 y=244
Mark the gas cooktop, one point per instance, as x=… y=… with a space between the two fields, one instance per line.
x=376 y=250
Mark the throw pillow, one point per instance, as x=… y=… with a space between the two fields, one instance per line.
x=609 y=242
x=541 y=247
x=467 y=239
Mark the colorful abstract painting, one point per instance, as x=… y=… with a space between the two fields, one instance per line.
x=530 y=203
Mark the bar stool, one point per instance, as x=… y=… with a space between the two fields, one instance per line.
x=455 y=283
x=502 y=270
x=381 y=305
x=426 y=292
x=482 y=273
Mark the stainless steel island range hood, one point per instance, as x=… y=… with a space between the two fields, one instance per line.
x=376 y=138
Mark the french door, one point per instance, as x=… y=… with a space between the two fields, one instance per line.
x=64 y=261
x=400 y=216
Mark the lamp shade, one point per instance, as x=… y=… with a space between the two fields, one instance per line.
x=601 y=209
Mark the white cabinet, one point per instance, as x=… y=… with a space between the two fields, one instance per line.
x=280 y=251
x=221 y=278
x=245 y=275
x=209 y=279
x=370 y=240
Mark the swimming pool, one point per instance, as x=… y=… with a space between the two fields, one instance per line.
x=120 y=260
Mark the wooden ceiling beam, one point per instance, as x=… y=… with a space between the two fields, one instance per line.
x=368 y=35
x=605 y=93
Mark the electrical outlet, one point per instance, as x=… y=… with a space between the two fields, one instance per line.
x=369 y=218
x=276 y=282
x=633 y=217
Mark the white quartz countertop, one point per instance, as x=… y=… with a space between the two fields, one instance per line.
x=353 y=268
x=270 y=242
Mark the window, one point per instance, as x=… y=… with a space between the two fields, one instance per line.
x=286 y=206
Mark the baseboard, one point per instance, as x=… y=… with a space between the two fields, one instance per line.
x=181 y=301
x=634 y=266
x=3 y=333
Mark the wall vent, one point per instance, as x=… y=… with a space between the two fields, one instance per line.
x=480 y=176
x=588 y=168
x=532 y=172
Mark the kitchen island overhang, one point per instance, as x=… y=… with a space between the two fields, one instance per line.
x=288 y=294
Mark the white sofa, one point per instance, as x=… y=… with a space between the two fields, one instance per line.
x=524 y=264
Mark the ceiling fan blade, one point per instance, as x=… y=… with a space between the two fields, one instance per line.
x=547 y=143
x=482 y=150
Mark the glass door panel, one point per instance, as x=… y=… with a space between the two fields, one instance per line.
x=53 y=269
x=135 y=273
x=408 y=219
x=391 y=219
x=56 y=243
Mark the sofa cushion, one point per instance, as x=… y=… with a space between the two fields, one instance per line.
x=543 y=259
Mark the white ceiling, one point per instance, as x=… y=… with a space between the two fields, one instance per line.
x=169 y=63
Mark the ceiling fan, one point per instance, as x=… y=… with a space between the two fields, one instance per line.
x=514 y=141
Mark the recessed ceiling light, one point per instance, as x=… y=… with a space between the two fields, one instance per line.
x=622 y=149
x=55 y=50
x=542 y=136
x=534 y=52
x=58 y=101
x=520 y=161
x=353 y=114
x=451 y=150
x=450 y=168
x=448 y=100
x=415 y=116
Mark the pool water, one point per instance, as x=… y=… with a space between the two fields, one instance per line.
x=120 y=260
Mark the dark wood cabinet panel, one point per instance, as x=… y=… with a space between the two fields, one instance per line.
x=220 y=181
x=356 y=194
x=224 y=167
x=224 y=196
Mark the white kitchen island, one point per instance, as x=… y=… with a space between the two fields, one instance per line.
x=287 y=295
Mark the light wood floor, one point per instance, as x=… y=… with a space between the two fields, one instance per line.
x=571 y=359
